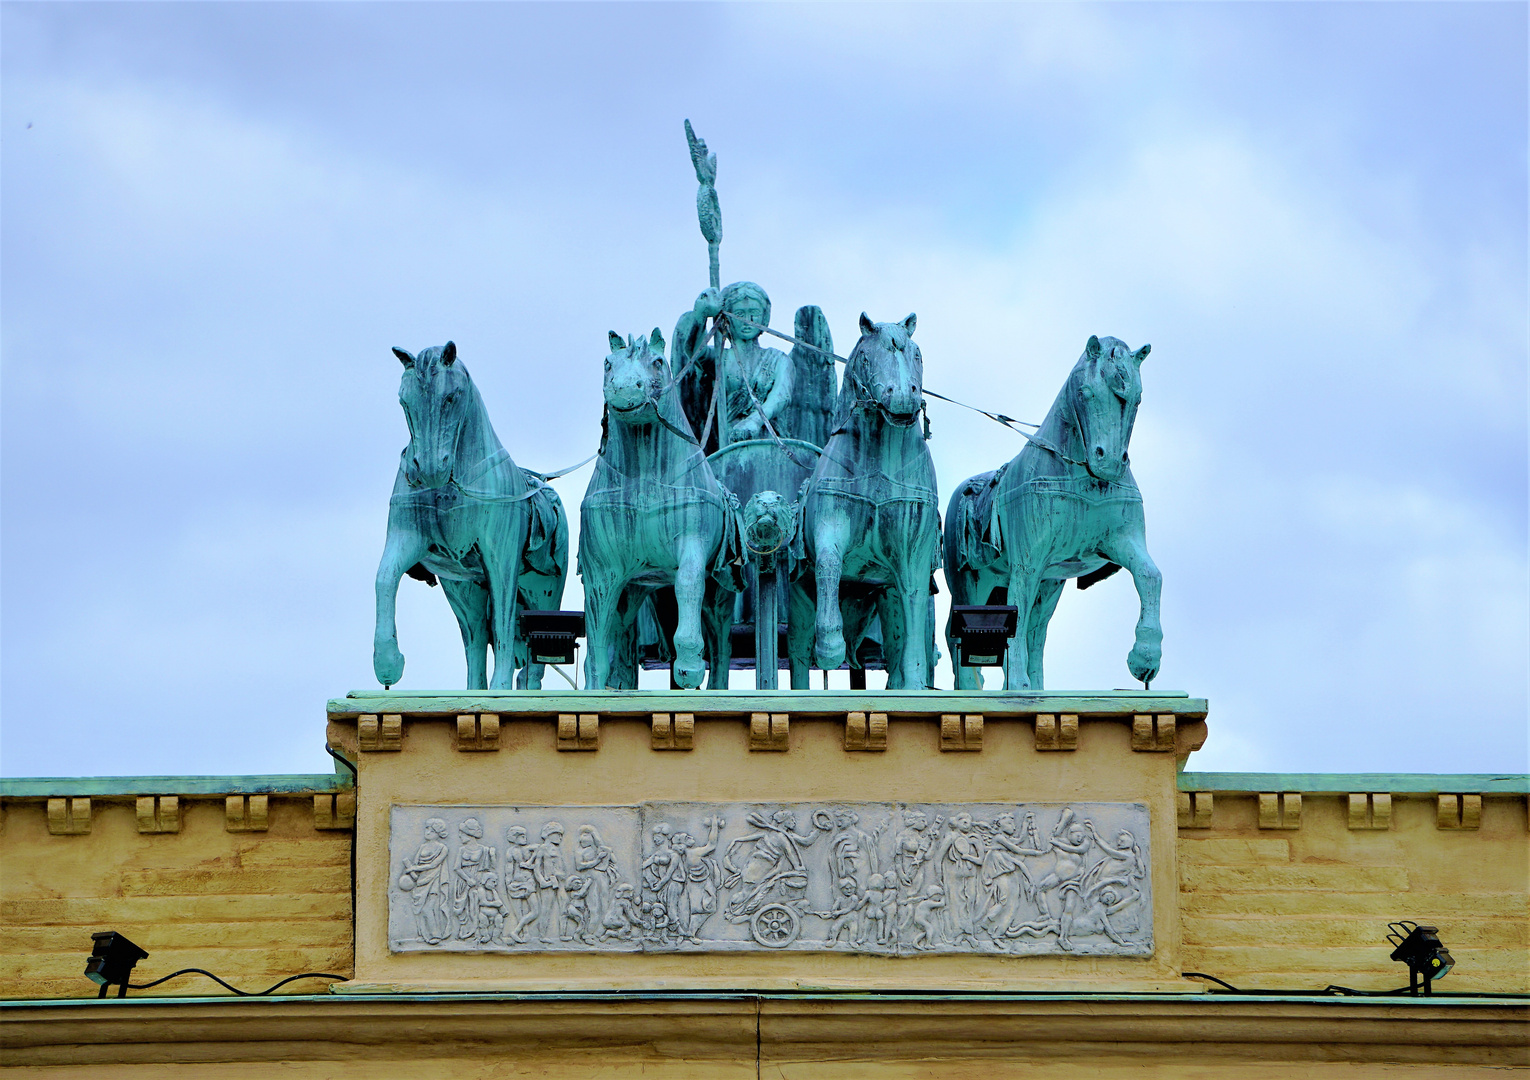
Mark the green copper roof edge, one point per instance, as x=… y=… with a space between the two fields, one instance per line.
x=546 y=702
x=103 y=786
x=1342 y=783
x=1191 y=997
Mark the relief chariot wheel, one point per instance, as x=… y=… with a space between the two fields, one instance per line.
x=775 y=926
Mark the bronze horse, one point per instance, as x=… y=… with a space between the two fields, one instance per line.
x=1067 y=506
x=464 y=513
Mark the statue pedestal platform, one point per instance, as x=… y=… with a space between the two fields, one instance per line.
x=672 y=840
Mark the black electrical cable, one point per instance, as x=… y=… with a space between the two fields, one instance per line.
x=235 y=989
x=1213 y=978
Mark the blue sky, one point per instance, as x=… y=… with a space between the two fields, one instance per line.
x=217 y=219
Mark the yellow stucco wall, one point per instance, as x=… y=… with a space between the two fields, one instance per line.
x=251 y=907
x=1301 y=908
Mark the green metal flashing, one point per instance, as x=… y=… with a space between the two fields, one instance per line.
x=1190 y=998
x=40 y=787
x=796 y=702
x=1343 y=783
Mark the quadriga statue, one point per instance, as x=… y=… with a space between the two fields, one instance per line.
x=653 y=518
x=462 y=512
x=1065 y=507
x=870 y=510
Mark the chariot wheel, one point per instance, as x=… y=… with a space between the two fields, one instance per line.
x=775 y=926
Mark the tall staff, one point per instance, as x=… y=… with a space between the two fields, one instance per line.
x=709 y=216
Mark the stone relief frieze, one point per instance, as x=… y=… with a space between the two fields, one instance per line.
x=896 y=879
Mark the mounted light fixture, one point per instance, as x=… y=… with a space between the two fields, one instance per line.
x=111 y=961
x=1421 y=949
x=983 y=632
x=552 y=636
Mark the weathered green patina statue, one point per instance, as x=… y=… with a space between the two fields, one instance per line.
x=464 y=513
x=653 y=518
x=871 y=514
x=1066 y=507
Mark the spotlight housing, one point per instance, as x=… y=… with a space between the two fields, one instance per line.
x=111 y=961
x=552 y=636
x=1421 y=949
x=983 y=632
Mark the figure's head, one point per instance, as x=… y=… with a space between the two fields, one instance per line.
x=661 y=833
x=491 y=881
x=1006 y=823
x=845 y=818
x=683 y=841
x=471 y=828
x=436 y=394
x=962 y=821
x=886 y=369
x=787 y=819
x=875 y=881
x=636 y=377
x=516 y=834
x=552 y=832
x=1106 y=387
x=749 y=302
x=1126 y=840
x=847 y=886
x=915 y=819
x=768 y=521
x=1076 y=834
x=625 y=891
x=436 y=828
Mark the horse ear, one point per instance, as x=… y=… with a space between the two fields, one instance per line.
x=449 y=354
x=403 y=357
x=615 y=339
x=629 y=341
x=656 y=341
x=1094 y=348
x=867 y=326
x=908 y=324
x=1142 y=354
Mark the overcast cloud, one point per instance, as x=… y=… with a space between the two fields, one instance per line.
x=218 y=218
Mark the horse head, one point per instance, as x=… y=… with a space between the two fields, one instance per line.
x=637 y=378
x=436 y=394
x=1106 y=388
x=886 y=370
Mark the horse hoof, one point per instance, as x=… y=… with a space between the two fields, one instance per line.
x=688 y=676
x=1144 y=663
x=831 y=655
x=387 y=663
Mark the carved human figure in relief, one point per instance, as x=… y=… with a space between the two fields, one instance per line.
x=594 y=860
x=520 y=885
x=845 y=916
x=550 y=872
x=623 y=920
x=700 y=877
x=664 y=879
x=427 y=880
x=854 y=850
x=775 y=867
x=959 y=861
x=1071 y=841
x=1005 y=877
x=474 y=864
x=491 y=912
x=911 y=861
x=926 y=913
x=881 y=907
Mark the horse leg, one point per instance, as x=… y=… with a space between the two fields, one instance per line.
x=913 y=602
x=1047 y=595
x=1024 y=583
x=1130 y=551
x=690 y=585
x=799 y=631
x=890 y=615
x=470 y=603
x=599 y=617
x=404 y=548
x=717 y=614
x=828 y=543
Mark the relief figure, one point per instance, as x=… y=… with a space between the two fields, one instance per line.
x=426 y=879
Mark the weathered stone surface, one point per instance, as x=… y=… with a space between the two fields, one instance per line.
x=886 y=878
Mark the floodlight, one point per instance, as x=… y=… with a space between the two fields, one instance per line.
x=111 y=961
x=983 y=632
x=1421 y=949
x=551 y=635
